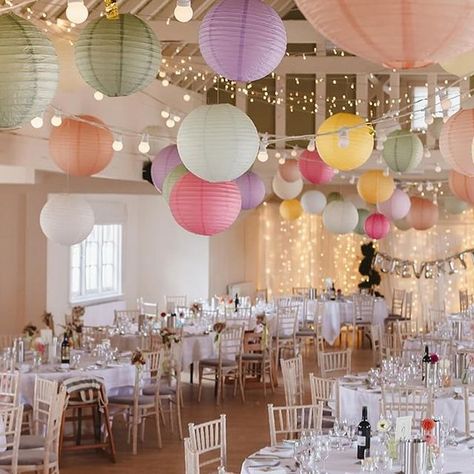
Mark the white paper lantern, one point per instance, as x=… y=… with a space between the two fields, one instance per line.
x=285 y=190
x=67 y=219
x=340 y=217
x=313 y=202
x=218 y=142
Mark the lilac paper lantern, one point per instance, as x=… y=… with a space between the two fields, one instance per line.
x=397 y=207
x=252 y=190
x=164 y=162
x=242 y=40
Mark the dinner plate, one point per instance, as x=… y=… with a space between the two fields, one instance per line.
x=263 y=461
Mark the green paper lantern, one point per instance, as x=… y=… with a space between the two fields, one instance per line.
x=334 y=196
x=403 y=151
x=171 y=179
x=118 y=57
x=29 y=71
x=363 y=214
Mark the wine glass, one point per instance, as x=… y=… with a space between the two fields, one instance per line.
x=324 y=450
x=345 y=427
x=438 y=463
x=338 y=432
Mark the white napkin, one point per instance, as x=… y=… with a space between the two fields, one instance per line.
x=280 y=452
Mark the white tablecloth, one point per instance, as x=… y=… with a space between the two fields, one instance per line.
x=196 y=347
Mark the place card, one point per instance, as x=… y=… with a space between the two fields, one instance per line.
x=403 y=428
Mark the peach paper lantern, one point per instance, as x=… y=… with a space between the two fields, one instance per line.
x=423 y=214
x=455 y=141
x=204 y=208
x=397 y=33
x=81 y=148
x=289 y=171
x=462 y=186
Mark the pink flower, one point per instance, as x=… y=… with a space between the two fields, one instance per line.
x=434 y=358
x=430 y=440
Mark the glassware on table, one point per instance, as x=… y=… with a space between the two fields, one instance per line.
x=36 y=360
x=438 y=462
x=75 y=360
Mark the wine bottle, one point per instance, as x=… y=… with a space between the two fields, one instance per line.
x=65 y=349
x=424 y=364
x=363 y=435
x=236 y=302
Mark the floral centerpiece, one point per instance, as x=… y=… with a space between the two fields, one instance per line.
x=48 y=320
x=196 y=308
x=30 y=331
x=218 y=328
x=74 y=328
x=261 y=327
x=138 y=359
x=383 y=429
x=168 y=336
x=428 y=426
x=432 y=371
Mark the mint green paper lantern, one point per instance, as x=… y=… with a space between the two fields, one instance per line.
x=29 y=71
x=118 y=57
x=403 y=151
x=171 y=179
x=363 y=214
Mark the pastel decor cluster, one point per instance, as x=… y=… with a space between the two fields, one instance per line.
x=171 y=179
x=461 y=186
x=289 y=171
x=397 y=207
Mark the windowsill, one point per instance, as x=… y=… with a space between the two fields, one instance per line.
x=96 y=300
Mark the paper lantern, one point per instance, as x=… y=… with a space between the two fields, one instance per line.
x=377 y=226
x=423 y=214
x=164 y=162
x=435 y=128
x=397 y=207
x=455 y=141
x=289 y=170
x=290 y=209
x=69 y=78
x=461 y=186
x=118 y=57
x=396 y=33
x=67 y=219
x=313 y=168
x=453 y=205
x=461 y=65
x=402 y=225
x=29 y=71
x=334 y=196
x=403 y=151
x=352 y=149
x=81 y=148
x=285 y=190
x=252 y=190
x=340 y=217
x=171 y=179
x=204 y=208
x=242 y=40
x=313 y=202
x=217 y=142
x=374 y=187
x=363 y=214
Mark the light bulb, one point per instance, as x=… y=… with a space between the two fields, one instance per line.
x=281 y=161
x=445 y=101
x=382 y=137
x=37 y=122
x=165 y=83
x=186 y=97
x=162 y=74
x=177 y=118
x=294 y=153
x=262 y=155
x=117 y=145
x=437 y=168
x=311 y=145
x=76 y=11
x=98 y=96
x=429 y=119
x=170 y=123
x=165 y=114
x=183 y=11
x=277 y=154
x=379 y=146
x=343 y=137
x=56 y=120
x=427 y=153
x=386 y=171
x=144 y=145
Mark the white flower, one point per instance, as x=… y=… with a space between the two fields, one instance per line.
x=383 y=426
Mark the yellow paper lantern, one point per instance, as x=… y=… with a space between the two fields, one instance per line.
x=462 y=65
x=373 y=186
x=345 y=141
x=291 y=209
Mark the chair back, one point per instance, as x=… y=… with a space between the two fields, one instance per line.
x=435 y=316
x=191 y=459
x=6 y=341
x=173 y=302
x=363 y=308
x=397 y=302
x=261 y=294
x=11 y=418
x=9 y=389
x=335 y=363
x=293 y=380
x=208 y=440
x=287 y=321
x=408 y=305
x=210 y=315
x=389 y=346
x=376 y=331
x=45 y=394
x=441 y=346
x=153 y=366
x=468 y=395
x=289 y=422
x=147 y=308
x=230 y=343
x=55 y=421
x=241 y=317
x=324 y=391
x=84 y=390
x=463 y=300
x=127 y=316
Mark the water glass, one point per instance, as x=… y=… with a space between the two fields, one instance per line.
x=75 y=360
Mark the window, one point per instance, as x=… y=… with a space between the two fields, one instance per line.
x=96 y=265
x=420 y=102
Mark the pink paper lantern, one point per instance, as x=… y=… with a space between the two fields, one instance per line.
x=455 y=141
x=252 y=190
x=397 y=33
x=462 y=186
x=205 y=208
x=164 y=162
x=314 y=169
x=397 y=207
x=289 y=171
x=242 y=40
x=423 y=214
x=377 y=226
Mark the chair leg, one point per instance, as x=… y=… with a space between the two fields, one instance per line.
x=178 y=412
x=242 y=394
x=135 y=419
x=219 y=387
x=264 y=380
x=157 y=421
x=110 y=436
x=200 y=382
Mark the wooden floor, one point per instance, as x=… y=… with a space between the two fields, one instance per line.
x=247 y=430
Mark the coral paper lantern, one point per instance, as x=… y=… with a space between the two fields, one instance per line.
x=290 y=209
x=363 y=214
x=455 y=141
x=462 y=186
x=289 y=171
x=67 y=219
x=313 y=202
x=314 y=169
x=164 y=162
x=397 y=33
x=118 y=57
x=285 y=190
x=374 y=187
x=349 y=152
x=423 y=214
x=397 y=207
x=377 y=226
x=403 y=151
x=218 y=142
x=171 y=179
x=340 y=217
x=81 y=148
x=242 y=40
x=204 y=208
x=252 y=190
x=29 y=71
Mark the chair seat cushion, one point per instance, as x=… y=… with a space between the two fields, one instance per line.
x=305 y=332
x=215 y=362
x=129 y=400
x=29 y=457
x=164 y=390
x=32 y=441
x=258 y=356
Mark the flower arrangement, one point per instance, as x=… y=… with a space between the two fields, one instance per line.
x=38 y=345
x=48 y=320
x=218 y=328
x=383 y=425
x=196 y=308
x=163 y=314
x=434 y=358
x=138 y=359
x=168 y=337
x=30 y=330
x=427 y=425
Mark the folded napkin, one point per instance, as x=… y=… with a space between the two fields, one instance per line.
x=283 y=452
x=264 y=469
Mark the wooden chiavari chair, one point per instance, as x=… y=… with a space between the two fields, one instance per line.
x=463 y=301
x=11 y=419
x=335 y=363
x=325 y=391
x=468 y=396
x=173 y=302
x=286 y=327
x=293 y=380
